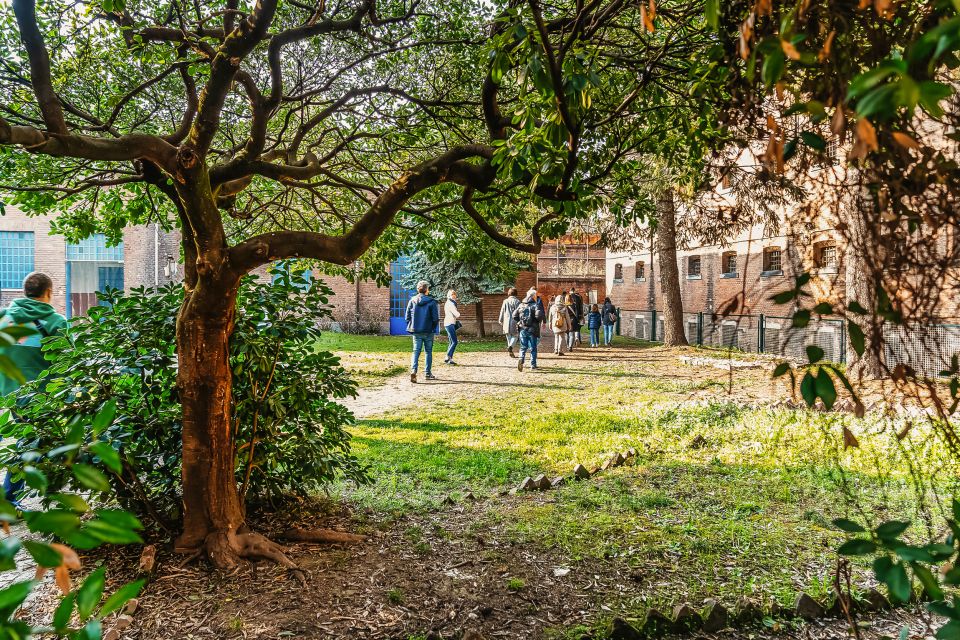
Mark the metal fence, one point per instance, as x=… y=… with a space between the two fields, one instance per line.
x=927 y=350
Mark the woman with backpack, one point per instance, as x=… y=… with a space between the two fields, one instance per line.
x=560 y=322
x=594 y=322
x=451 y=322
x=609 y=317
x=529 y=318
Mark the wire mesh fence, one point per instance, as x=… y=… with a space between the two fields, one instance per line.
x=927 y=350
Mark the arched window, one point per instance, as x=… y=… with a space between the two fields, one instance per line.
x=639 y=272
x=618 y=272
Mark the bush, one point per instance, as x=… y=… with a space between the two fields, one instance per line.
x=120 y=360
x=70 y=520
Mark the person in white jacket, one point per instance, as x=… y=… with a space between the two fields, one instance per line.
x=451 y=320
x=506 y=320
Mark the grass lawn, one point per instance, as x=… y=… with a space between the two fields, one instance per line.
x=727 y=497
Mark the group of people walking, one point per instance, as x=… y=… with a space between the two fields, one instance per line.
x=522 y=321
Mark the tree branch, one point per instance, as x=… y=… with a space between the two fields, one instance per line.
x=533 y=247
x=26 y=14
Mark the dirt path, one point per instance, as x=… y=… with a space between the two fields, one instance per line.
x=480 y=374
x=476 y=374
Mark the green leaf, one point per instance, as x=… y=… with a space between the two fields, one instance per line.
x=892 y=529
x=814 y=353
x=108 y=455
x=772 y=68
x=848 y=525
x=949 y=631
x=857 y=339
x=90 y=477
x=43 y=554
x=784 y=296
x=712 y=8
x=90 y=592
x=13 y=596
x=807 y=390
x=91 y=631
x=781 y=369
x=54 y=521
x=104 y=417
x=801 y=318
x=857 y=547
x=121 y=596
x=898 y=582
x=825 y=389
x=929 y=583
x=61 y=617
x=813 y=140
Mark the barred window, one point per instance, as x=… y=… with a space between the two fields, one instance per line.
x=693 y=266
x=729 y=263
x=772 y=259
x=639 y=271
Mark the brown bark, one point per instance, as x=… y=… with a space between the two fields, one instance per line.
x=861 y=288
x=481 y=329
x=666 y=238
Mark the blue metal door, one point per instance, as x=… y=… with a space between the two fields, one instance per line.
x=399 y=296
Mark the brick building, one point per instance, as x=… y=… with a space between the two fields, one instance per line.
x=573 y=261
x=148 y=256
x=79 y=270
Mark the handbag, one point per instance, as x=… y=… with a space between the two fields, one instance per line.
x=458 y=326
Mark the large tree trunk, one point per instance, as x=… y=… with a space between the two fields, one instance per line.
x=212 y=507
x=481 y=330
x=860 y=285
x=673 y=335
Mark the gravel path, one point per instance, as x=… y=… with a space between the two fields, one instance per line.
x=487 y=373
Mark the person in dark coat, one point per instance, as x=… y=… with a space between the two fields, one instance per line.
x=608 y=314
x=423 y=317
x=594 y=322
x=578 y=312
x=529 y=317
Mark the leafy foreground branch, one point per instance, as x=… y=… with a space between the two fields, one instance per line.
x=68 y=518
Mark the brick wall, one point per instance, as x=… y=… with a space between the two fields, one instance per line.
x=745 y=291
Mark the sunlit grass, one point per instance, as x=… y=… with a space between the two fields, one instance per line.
x=726 y=497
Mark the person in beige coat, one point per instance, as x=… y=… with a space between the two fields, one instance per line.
x=560 y=321
x=507 y=321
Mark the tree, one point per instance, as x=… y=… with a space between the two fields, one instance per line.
x=666 y=242
x=268 y=131
x=471 y=279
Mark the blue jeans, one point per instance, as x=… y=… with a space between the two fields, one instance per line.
x=13 y=490
x=594 y=337
x=422 y=341
x=528 y=342
x=452 y=336
x=608 y=333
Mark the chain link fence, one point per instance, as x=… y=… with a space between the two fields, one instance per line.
x=927 y=350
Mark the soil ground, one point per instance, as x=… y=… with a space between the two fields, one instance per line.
x=439 y=562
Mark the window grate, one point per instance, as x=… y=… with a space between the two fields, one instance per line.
x=94 y=249
x=16 y=258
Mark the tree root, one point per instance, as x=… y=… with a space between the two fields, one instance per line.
x=321 y=536
x=226 y=549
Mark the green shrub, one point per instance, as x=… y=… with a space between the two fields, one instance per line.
x=67 y=523
x=288 y=431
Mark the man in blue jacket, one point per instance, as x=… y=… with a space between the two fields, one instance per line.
x=423 y=317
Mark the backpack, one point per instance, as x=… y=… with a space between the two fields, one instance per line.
x=528 y=315
x=560 y=320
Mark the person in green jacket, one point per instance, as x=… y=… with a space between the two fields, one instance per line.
x=33 y=311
